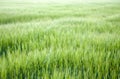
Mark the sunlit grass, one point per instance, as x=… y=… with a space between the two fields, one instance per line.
x=59 y=41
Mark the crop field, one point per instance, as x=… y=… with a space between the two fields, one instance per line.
x=59 y=39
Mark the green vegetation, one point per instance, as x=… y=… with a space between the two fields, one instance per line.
x=59 y=40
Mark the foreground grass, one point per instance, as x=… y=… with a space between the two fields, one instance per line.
x=60 y=41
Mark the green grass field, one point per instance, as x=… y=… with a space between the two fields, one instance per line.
x=59 y=40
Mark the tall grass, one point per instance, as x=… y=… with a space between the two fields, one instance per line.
x=60 y=41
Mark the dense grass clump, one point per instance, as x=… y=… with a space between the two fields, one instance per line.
x=60 y=40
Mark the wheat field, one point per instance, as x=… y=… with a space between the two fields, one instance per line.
x=59 y=39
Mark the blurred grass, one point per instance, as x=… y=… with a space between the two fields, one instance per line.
x=63 y=41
